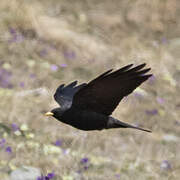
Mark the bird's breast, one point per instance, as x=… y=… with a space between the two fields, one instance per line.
x=85 y=120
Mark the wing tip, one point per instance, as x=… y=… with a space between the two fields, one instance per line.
x=149 y=75
x=72 y=84
x=141 y=65
x=61 y=86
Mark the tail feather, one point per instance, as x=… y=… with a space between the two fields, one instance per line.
x=114 y=123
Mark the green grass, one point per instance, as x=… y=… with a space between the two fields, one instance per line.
x=83 y=39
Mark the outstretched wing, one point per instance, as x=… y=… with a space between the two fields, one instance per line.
x=64 y=94
x=104 y=93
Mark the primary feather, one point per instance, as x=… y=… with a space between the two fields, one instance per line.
x=104 y=93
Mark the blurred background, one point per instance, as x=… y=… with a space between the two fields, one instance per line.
x=46 y=43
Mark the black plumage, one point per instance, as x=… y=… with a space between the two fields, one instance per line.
x=89 y=106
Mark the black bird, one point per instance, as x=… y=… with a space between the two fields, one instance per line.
x=89 y=106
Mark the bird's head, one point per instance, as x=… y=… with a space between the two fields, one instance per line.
x=57 y=113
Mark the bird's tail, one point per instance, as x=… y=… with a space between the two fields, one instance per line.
x=114 y=123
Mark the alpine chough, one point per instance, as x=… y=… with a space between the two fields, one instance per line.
x=89 y=106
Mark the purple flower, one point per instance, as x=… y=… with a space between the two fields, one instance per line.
x=78 y=171
x=160 y=100
x=5 y=78
x=58 y=143
x=12 y=30
x=86 y=167
x=14 y=127
x=152 y=112
x=32 y=76
x=43 y=52
x=69 y=54
x=15 y=36
x=51 y=175
x=84 y=164
x=177 y=123
x=84 y=160
x=165 y=165
x=63 y=65
x=40 y=178
x=138 y=95
x=54 y=67
x=2 y=142
x=164 y=40
x=117 y=176
x=65 y=151
x=8 y=149
x=22 y=84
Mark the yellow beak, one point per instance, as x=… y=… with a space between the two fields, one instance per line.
x=49 y=114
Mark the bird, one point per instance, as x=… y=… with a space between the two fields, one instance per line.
x=89 y=106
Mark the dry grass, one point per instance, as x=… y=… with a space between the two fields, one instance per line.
x=89 y=37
